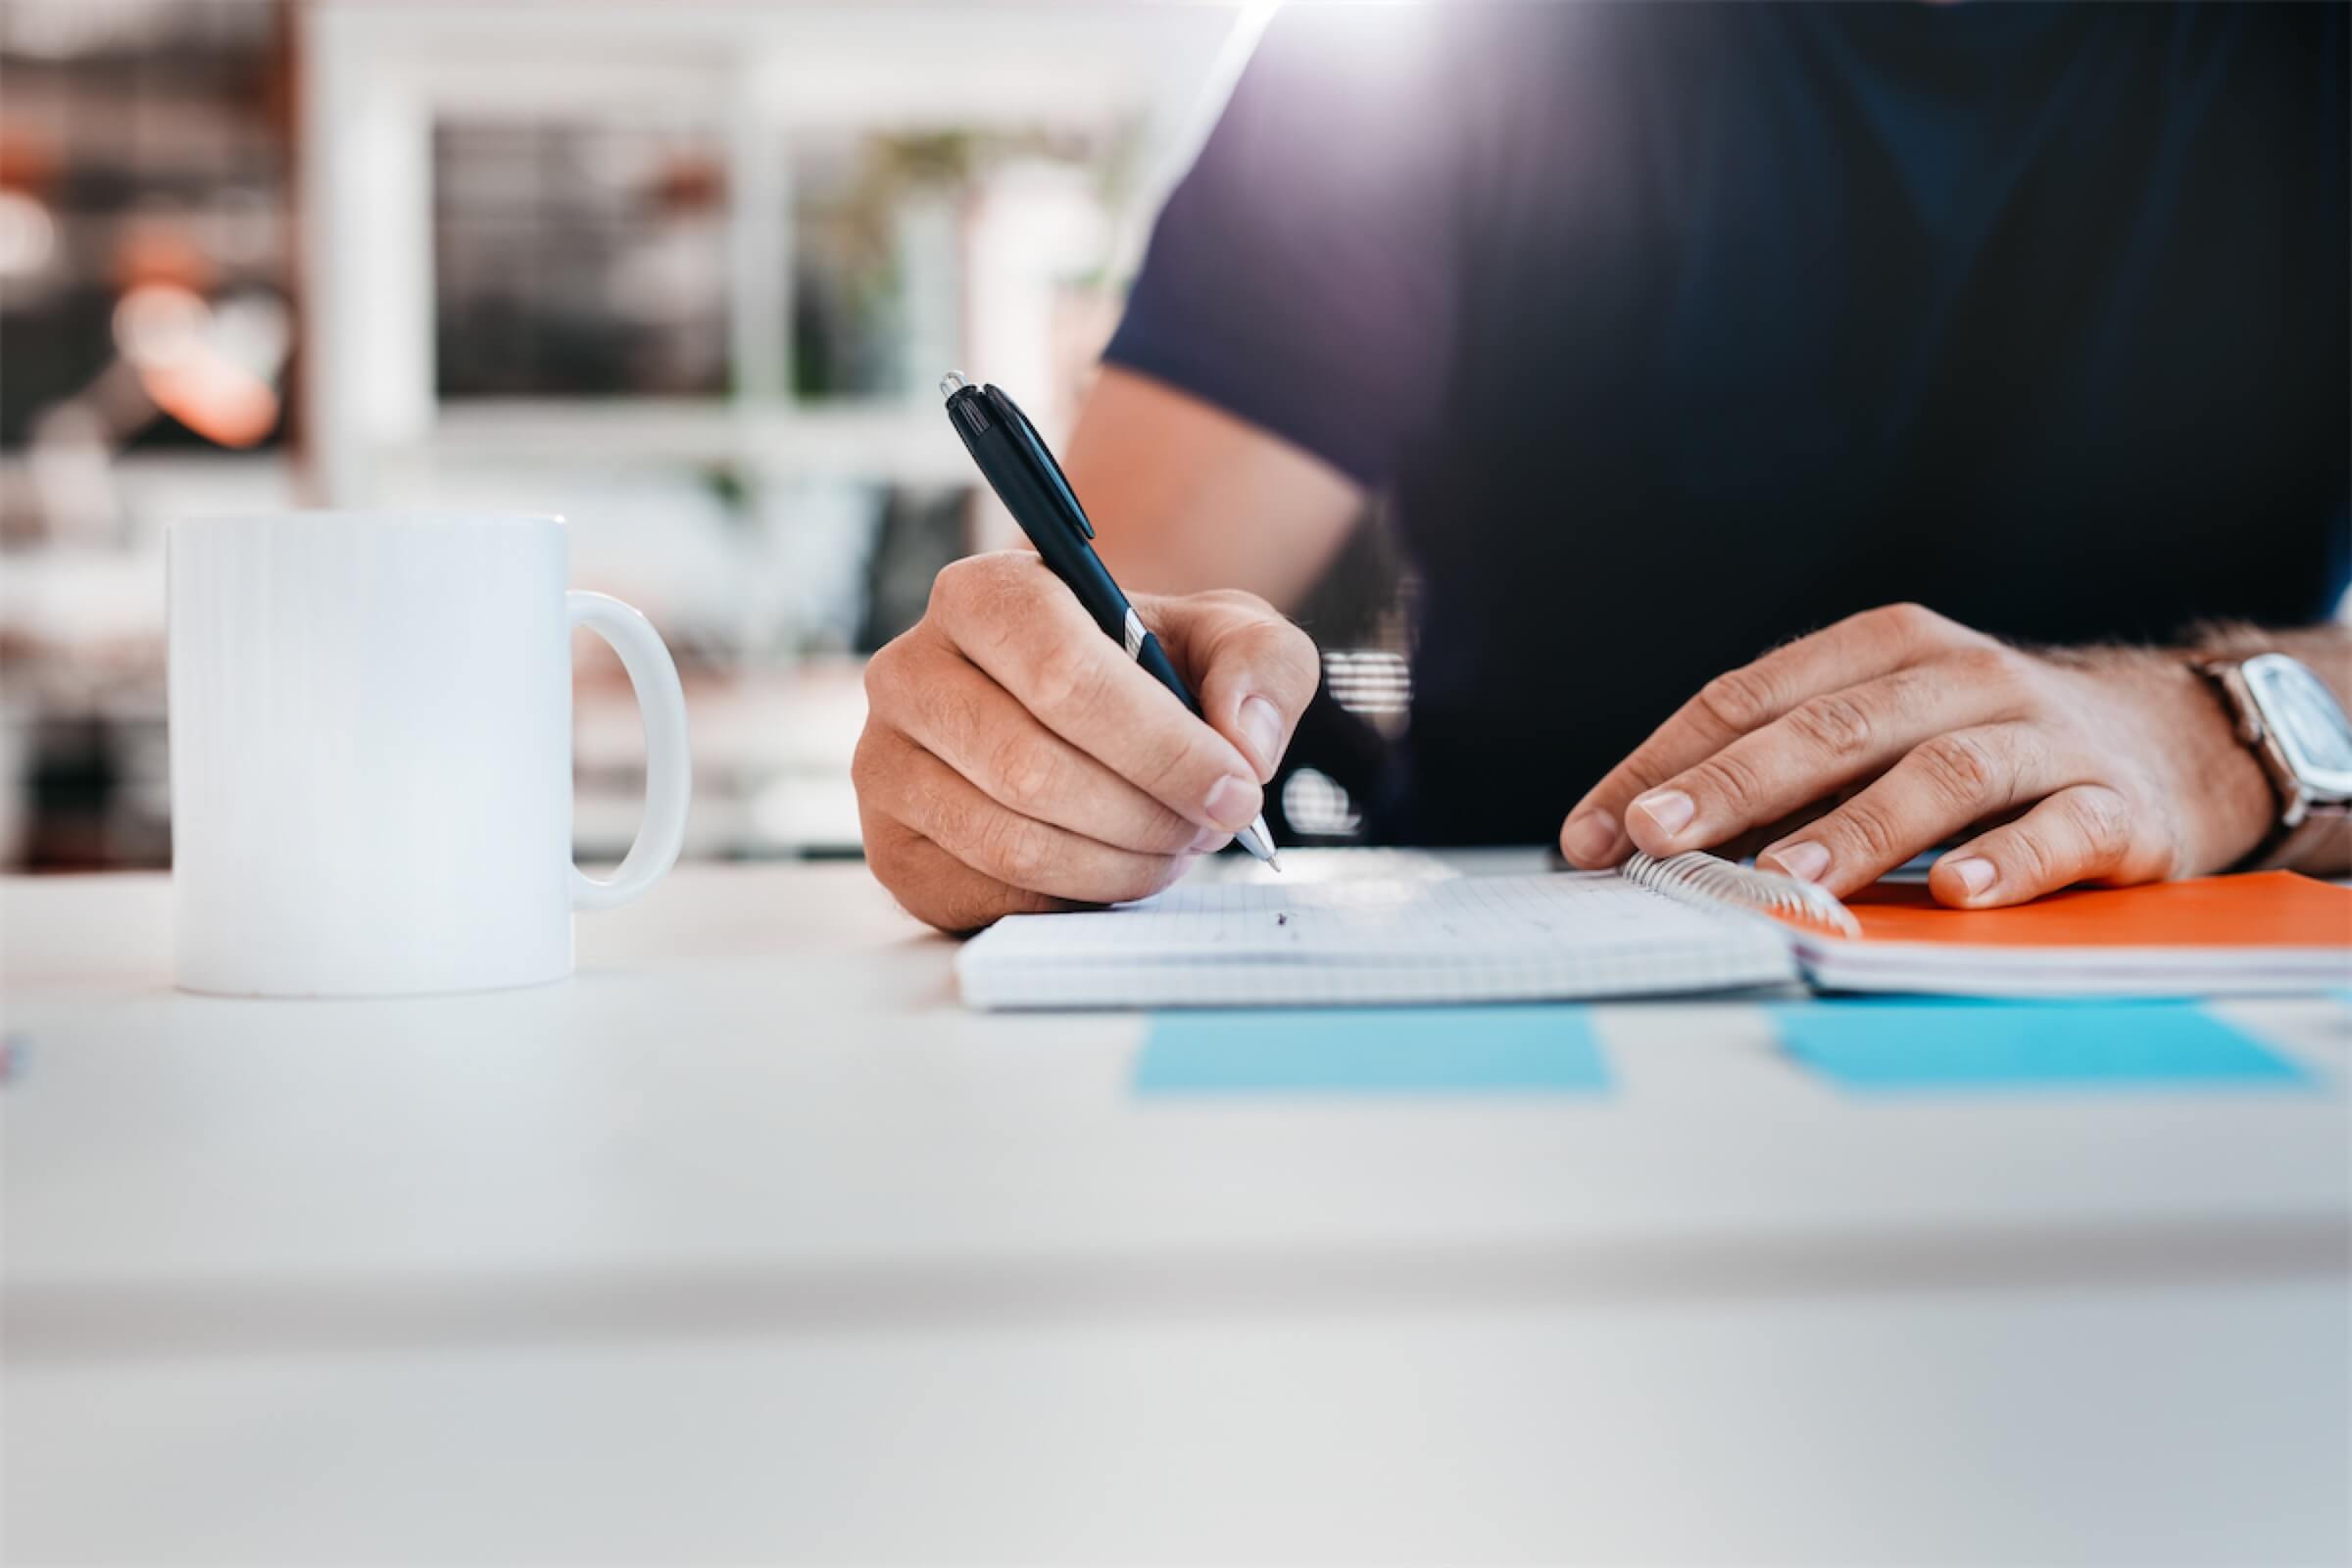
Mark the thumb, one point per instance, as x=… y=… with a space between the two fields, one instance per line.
x=1253 y=671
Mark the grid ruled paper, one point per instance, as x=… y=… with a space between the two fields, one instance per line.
x=1470 y=939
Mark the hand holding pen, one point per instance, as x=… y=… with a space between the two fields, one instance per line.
x=1017 y=756
x=1017 y=465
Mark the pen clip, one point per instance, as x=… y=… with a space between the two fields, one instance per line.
x=1040 y=456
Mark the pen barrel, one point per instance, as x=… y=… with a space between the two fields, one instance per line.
x=1061 y=546
x=1083 y=571
x=1160 y=667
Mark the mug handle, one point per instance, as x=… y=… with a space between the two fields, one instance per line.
x=668 y=771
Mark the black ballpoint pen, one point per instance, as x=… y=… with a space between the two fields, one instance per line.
x=1013 y=456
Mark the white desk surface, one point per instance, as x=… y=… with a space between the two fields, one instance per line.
x=749 y=1244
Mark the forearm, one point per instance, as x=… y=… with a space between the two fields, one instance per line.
x=1186 y=498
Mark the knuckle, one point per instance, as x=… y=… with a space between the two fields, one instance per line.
x=887 y=860
x=1833 y=724
x=1240 y=598
x=891 y=870
x=2103 y=820
x=1870 y=828
x=1294 y=654
x=1991 y=668
x=1254 y=644
x=1065 y=683
x=878 y=769
x=1013 y=849
x=1906 y=621
x=986 y=590
x=955 y=584
x=1027 y=775
x=1738 y=699
x=1961 y=768
x=882 y=672
x=1731 y=779
x=2034 y=857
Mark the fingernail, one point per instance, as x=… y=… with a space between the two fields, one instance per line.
x=1975 y=873
x=1591 y=836
x=1804 y=862
x=1261 y=721
x=1232 y=801
x=1670 y=810
x=1210 y=839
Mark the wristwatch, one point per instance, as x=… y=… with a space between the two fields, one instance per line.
x=2298 y=732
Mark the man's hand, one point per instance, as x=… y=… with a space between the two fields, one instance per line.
x=2108 y=765
x=1016 y=760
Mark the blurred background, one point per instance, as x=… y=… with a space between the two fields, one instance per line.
x=684 y=273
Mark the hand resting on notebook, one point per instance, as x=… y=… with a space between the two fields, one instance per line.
x=1016 y=760
x=2110 y=765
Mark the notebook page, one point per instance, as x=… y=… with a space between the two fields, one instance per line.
x=1468 y=939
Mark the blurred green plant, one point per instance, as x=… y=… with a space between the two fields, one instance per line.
x=849 y=239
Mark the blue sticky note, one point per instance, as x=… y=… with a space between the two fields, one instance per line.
x=1930 y=1044
x=1499 y=1050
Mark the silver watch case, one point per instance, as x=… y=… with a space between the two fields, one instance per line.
x=2300 y=734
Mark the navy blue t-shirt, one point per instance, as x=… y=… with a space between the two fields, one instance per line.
x=1676 y=330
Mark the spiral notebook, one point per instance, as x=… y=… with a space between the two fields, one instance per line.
x=1688 y=924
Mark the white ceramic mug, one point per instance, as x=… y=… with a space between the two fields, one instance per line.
x=372 y=753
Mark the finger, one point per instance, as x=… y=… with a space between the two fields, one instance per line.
x=1942 y=786
x=1859 y=648
x=2080 y=834
x=942 y=701
x=1253 y=671
x=938 y=889
x=1755 y=841
x=1820 y=746
x=907 y=783
x=1014 y=619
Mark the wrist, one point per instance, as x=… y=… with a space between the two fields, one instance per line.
x=2240 y=805
x=2221 y=804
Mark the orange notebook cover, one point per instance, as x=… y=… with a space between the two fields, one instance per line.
x=2265 y=933
x=2254 y=909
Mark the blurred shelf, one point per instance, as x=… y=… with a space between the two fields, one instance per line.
x=901 y=443
x=772 y=763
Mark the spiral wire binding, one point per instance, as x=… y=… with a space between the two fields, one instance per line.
x=1708 y=881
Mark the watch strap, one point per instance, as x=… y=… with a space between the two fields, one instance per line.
x=2285 y=846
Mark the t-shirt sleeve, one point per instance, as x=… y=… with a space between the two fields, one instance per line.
x=1302 y=275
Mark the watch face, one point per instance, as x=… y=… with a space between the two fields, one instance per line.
x=2298 y=709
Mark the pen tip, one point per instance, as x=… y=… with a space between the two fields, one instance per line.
x=1274 y=859
x=951 y=383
